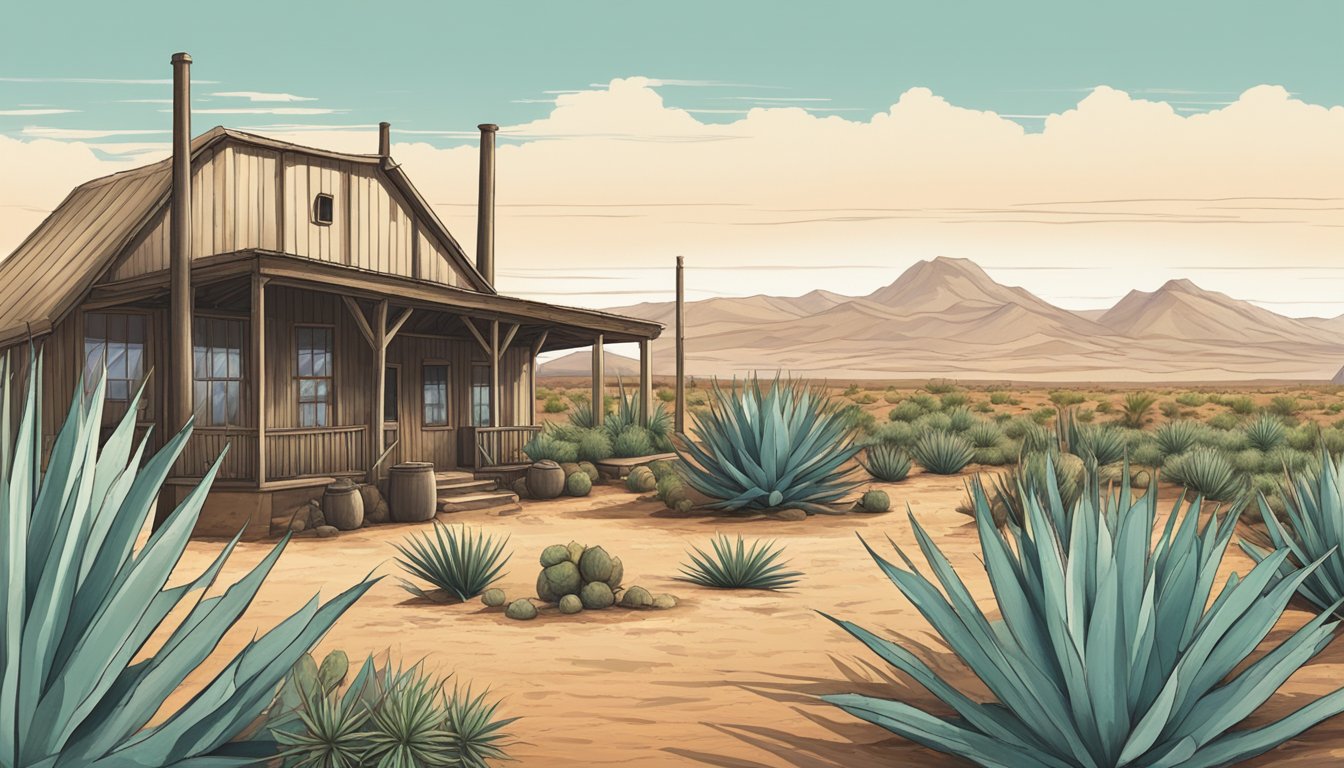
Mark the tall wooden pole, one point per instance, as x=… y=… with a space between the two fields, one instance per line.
x=680 y=420
x=379 y=344
x=645 y=381
x=180 y=384
x=259 y=370
x=494 y=374
x=599 y=382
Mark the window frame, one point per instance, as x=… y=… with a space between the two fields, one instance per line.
x=329 y=378
x=395 y=369
x=447 y=367
x=204 y=413
x=318 y=199
x=133 y=385
x=489 y=396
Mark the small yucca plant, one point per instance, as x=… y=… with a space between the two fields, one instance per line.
x=1109 y=652
x=1177 y=437
x=732 y=565
x=1138 y=408
x=768 y=448
x=458 y=561
x=1265 y=433
x=887 y=463
x=80 y=603
x=1207 y=472
x=1313 y=504
x=942 y=453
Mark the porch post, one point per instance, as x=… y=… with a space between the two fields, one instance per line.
x=599 y=383
x=379 y=329
x=645 y=381
x=259 y=370
x=537 y=344
x=494 y=374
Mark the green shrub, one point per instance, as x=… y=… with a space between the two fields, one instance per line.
x=593 y=445
x=940 y=386
x=1016 y=428
x=874 y=501
x=1250 y=461
x=892 y=397
x=982 y=406
x=1265 y=433
x=886 y=462
x=1066 y=398
x=866 y=398
x=81 y=681
x=954 y=400
x=1304 y=438
x=454 y=560
x=1090 y=664
x=1137 y=410
x=1105 y=406
x=1206 y=472
x=934 y=422
x=554 y=405
x=906 y=411
x=984 y=434
x=942 y=453
x=666 y=395
x=631 y=442
x=1335 y=407
x=1169 y=409
x=736 y=567
x=1241 y=405
x=1085 y=415
x=897 y=433
x=1177 y=437
x=1146 y=454
x=1191 y=399
x=993 y=457
x=667 y=487
x=1223 y=421
x=960 y=419
x=925 y=402
x=1003 y=398
x=1332 y=440
x=856 y=418
x=547 y=445
x=852 y=390
x=785 y=446
x=1284 y=406
x=1043 y=415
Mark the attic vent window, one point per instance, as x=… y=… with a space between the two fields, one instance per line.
x=322 y=209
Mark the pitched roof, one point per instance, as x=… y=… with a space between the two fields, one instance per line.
x=51 y=270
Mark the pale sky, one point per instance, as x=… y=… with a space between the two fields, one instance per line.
x=1079 y=153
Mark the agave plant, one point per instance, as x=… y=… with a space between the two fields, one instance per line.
x=1089 y=443
x=1109 y=651
x=478 y=734
x=731 y=566
x=1313 y=503
x=1176 y=437
x=942 y=453
x=887 y=463
x=766 y=448
x=1208 y=473
x=455 y=560
x=1265 y=433
x=80 y=602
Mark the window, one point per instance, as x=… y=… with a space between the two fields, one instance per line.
x=436 y=395
x=313 y=345
x=323 y=209
x=390 y=392
x=117 y=341
x=480 y=395
x=218 y=370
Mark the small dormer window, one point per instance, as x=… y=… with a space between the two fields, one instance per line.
x=322 y=209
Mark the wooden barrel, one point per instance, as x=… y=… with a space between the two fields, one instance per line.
x=413 y=491
x=545 y=480
x=343 y=506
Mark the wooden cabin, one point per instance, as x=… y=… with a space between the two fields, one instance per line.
x=306 y=308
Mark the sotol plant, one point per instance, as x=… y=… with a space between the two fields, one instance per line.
x=1138 y=408
x=1109 y=652
x=942 y=453
x=80 y=603
x=887 y=463
x=456 y=560
x=735 y=566
x=766 y=448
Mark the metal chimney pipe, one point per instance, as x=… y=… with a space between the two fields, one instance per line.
x=384 y=140
x=485 y=206
x=179 y=244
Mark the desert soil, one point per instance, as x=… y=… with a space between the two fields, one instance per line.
x=725 y=679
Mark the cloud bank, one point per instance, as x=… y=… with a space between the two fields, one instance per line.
x=614 y=181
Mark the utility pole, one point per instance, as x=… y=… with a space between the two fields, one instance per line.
x=680 y=420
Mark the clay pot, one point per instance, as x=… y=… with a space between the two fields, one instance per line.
x=545 y=480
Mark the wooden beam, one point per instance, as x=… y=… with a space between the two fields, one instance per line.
x=540 y=342
x=397 y=324
x=485 y=345
x=508 y=339
x=258 y=323
x=599 y=383
x=360 y=321
x=494 y=373
x=645 y=382
x=379 y=388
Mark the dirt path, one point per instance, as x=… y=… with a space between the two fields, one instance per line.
x=725 y=679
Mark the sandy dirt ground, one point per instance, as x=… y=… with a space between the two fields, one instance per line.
x=725 y=679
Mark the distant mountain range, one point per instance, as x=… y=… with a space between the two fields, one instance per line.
x=947 y=318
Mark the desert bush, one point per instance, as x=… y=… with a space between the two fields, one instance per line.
x=734 y=566
x=1003 y=398
x=892 y=397
x=1104 y=445
x=1284 y=405
x=1067 y=398
x=925 y=402
x=631 y=442
x=1250 y=461
x=1008 y=491
x=1240 y=405
x=666 y=395
x=897 y=433
x=867 y=398
x=906 y=411
x=1105 y=406
x=785 y=446
x=1085 y=415
x=1331 y=440
x=1038 y=438
x=1043 y=415
x=1265 y=433
x=1192 y=399
x=1137 y=410
x=886 y=462
x=1206 y=472
x=954 y=400
x=1146 y=454
x=934 y=422
x=592 y=445
x=1016 y=428
x=1285 y=459
x=1169 y=409
x=1312 y=527
x=81 y=684
x=1223 y=421
x=1177 y=437
x=554 y=404
x=982 y=406
x=996 y=456
x=856 y=418
x=984 y=434
x=548 y=445
x=942 y=453
x=1335 y=407
x=960 y=419
x=1304 y=438
x=1090 y=664
x=456 y=560
x=940 y=386
x=852 y=390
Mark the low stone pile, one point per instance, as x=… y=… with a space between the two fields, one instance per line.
x=309 y=519
x=575 y=578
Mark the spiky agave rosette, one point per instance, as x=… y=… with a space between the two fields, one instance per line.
x=1109 y=652
x=758 y=449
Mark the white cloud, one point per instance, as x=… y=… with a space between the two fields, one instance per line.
x=1131 y=189
x=264 y=111
x=262 y=96
x=33 y=112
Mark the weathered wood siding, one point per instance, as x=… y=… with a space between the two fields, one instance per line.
x=246 y=197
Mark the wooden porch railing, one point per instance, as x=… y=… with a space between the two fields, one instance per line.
x=207 y=443
x=330 y=450
x=484 y=447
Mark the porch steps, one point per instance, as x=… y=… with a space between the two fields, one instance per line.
x=447 y=488
x=468 y=502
